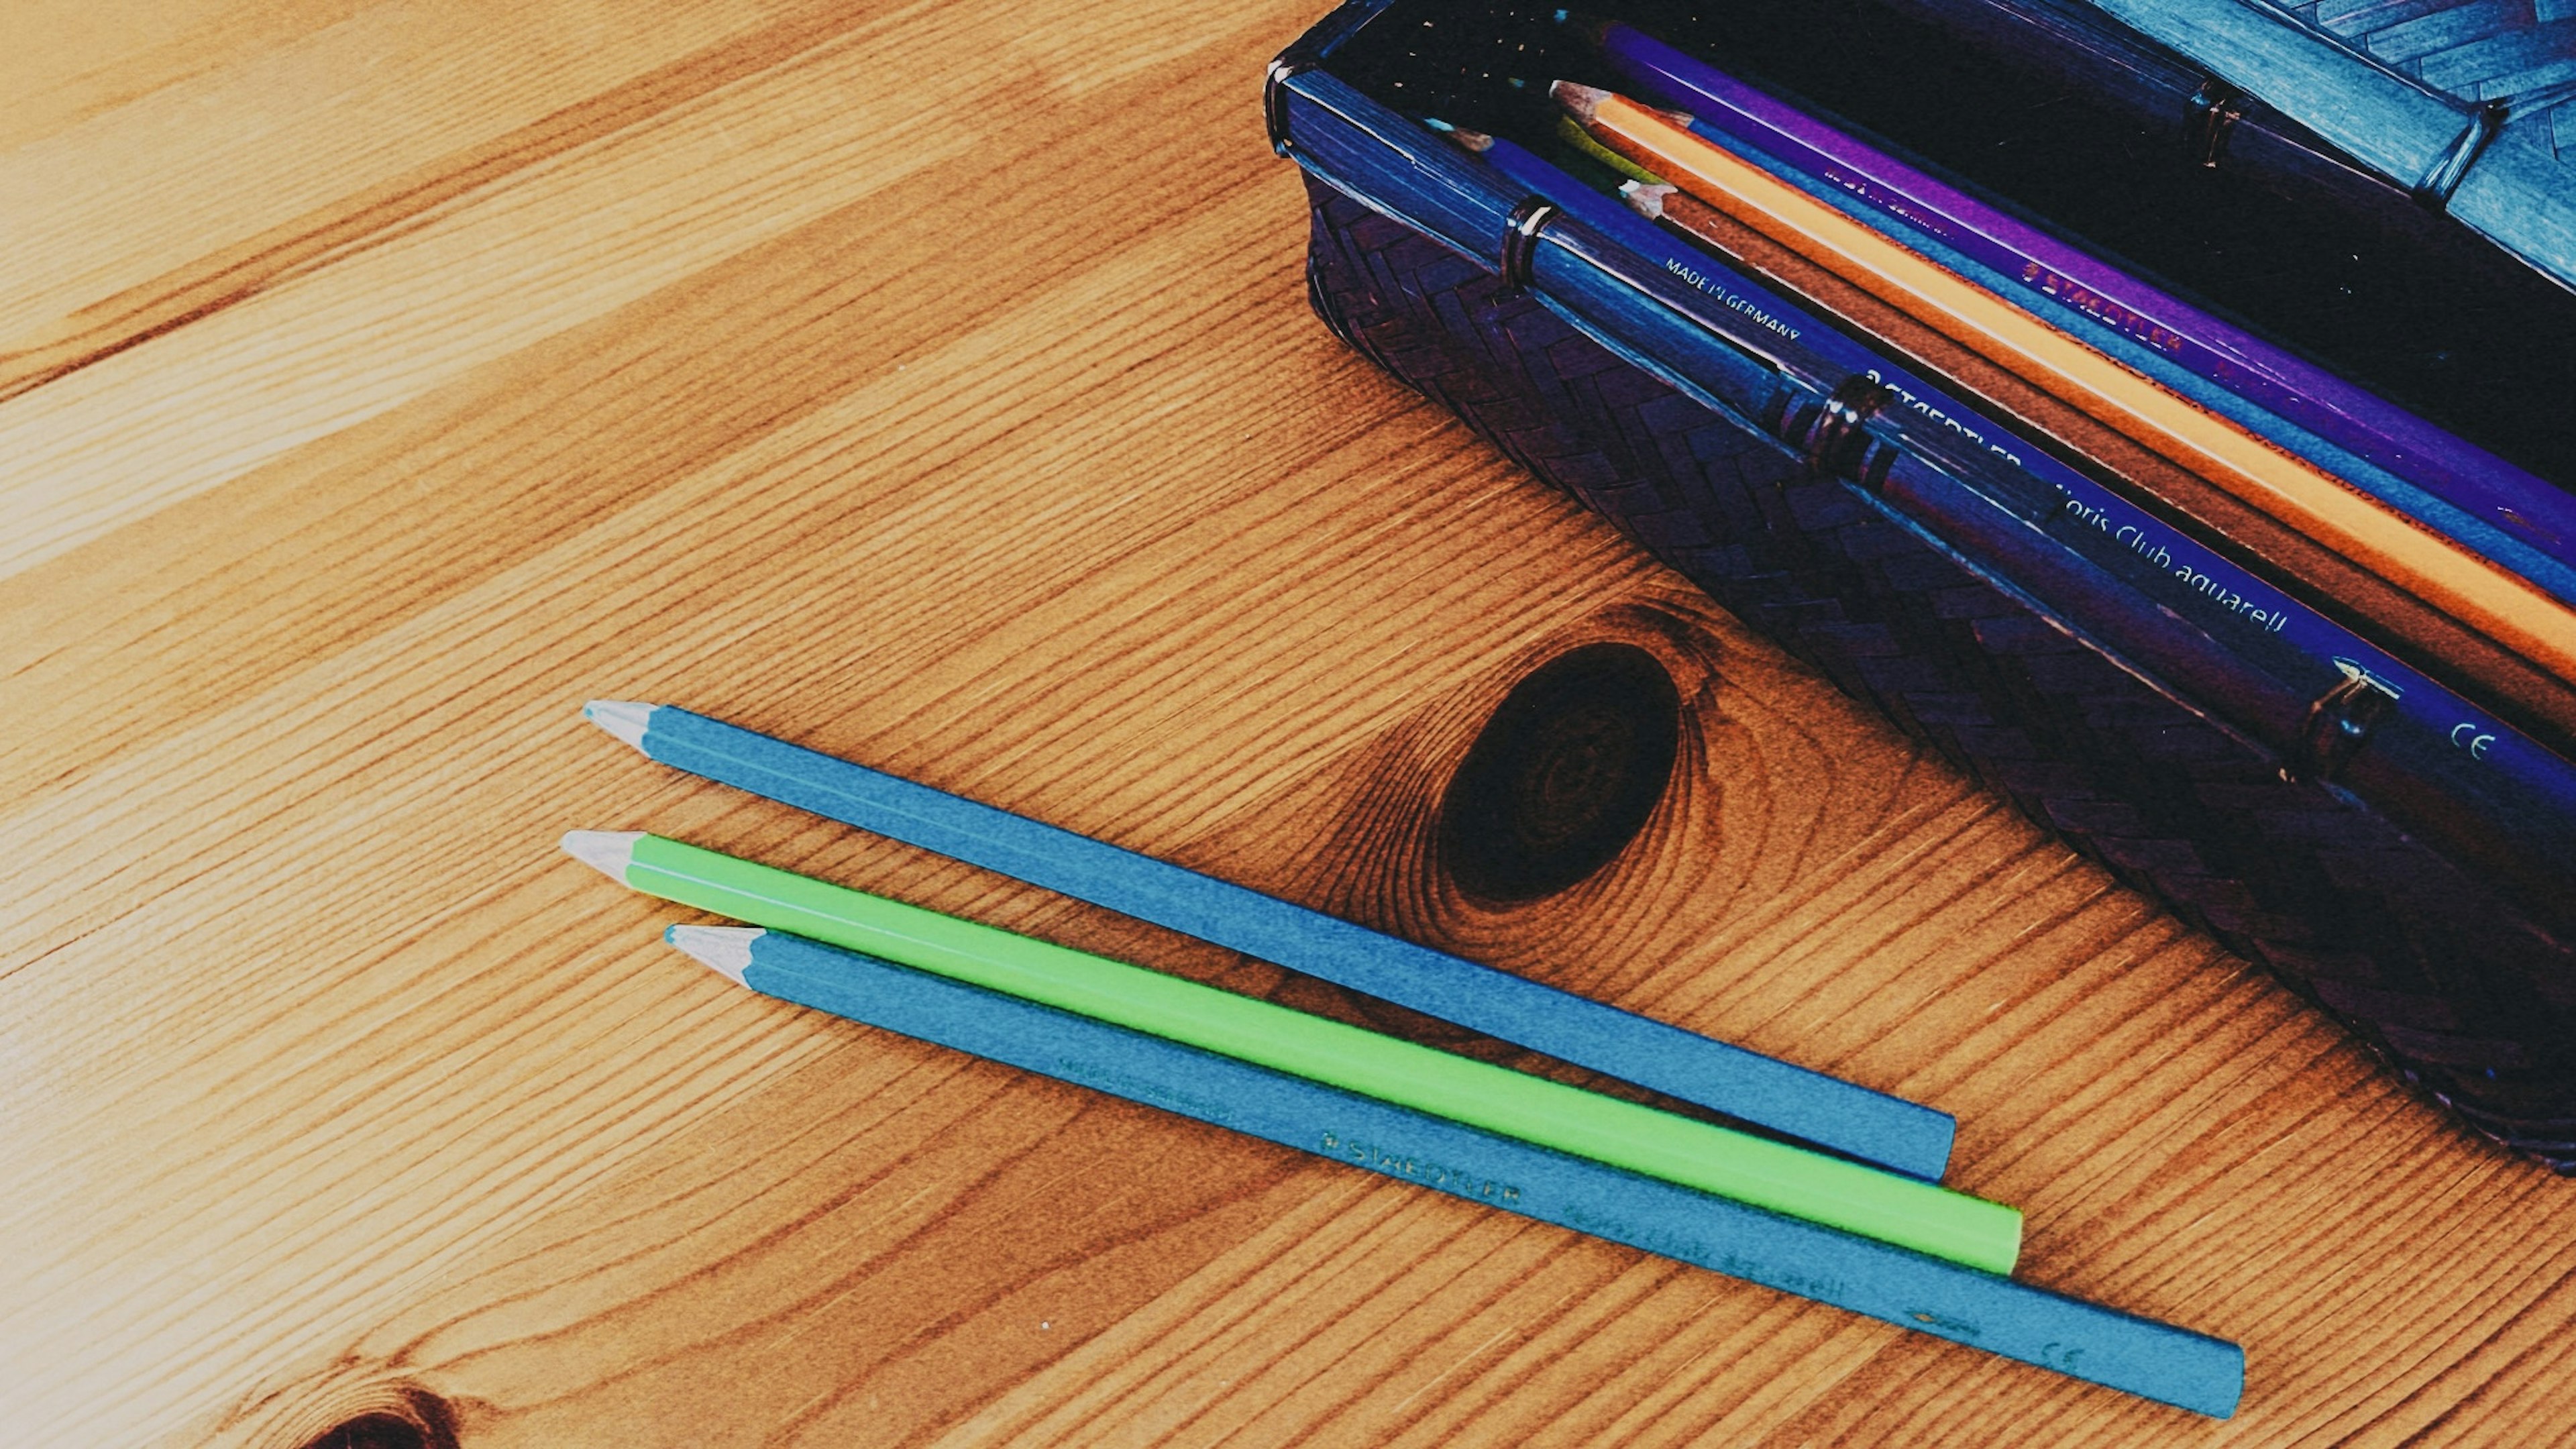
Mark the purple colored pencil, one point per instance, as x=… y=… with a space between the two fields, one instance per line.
x=2450 y=467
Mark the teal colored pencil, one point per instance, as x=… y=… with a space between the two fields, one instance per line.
x=1784 y=1179
x=1836 y=1115
x=1911 y=1290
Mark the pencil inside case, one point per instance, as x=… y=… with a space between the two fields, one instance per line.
x=2091 y=664
x=2363 y=281
x=2444 y=482
x=2090 y=128
x=2353 y=534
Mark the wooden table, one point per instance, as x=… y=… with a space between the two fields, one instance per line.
x=378 y=381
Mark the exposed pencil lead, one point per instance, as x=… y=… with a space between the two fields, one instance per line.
x=1582 y=100
x=726 y=950
x=623 y=718
x=1647 y=200
x=1472 y=140
x=607 y=851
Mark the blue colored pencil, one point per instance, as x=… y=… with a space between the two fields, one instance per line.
x=1746 y=1085
x=1912 y=1290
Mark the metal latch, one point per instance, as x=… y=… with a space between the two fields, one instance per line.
x=2337 y=723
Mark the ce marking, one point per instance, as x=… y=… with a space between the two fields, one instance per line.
x=2466 y=736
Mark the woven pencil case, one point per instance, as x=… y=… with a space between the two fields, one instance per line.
x=2275 y=777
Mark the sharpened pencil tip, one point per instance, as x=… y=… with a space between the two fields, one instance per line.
x=607 y=851
x=623 y=718
x=1583 y=101
x=725 y=950
x=1471 y=140
x=1647 y=201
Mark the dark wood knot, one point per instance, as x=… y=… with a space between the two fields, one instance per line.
x=1564 y=775
x=416 y=1420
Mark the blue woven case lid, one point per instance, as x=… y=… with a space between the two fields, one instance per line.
x=2460 y=105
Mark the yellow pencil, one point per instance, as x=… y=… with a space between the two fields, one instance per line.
x=2491 y=600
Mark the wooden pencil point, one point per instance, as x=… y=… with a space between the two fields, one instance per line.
x=1581 y=101
x=607 y=851
x=1647 y=200
x=1471 y=140
x=725 y=950
x=623 y=718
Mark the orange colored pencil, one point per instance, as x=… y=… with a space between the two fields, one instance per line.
x=2492 y=600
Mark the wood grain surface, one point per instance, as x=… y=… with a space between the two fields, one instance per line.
x=933 y=385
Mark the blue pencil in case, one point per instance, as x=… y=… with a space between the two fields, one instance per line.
x=2213 y=631
x=1928 y=1295
x=1808 y=1105
x=2486 y=503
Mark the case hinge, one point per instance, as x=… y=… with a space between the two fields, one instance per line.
x=1274 y=96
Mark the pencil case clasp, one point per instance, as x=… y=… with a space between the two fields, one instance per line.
x=1830 y=433
x=2338 y=722
x=2212 y=118
x=1520 y=239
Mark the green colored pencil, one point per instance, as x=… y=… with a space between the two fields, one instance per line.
x=1659 y=1144
x=1572 y=133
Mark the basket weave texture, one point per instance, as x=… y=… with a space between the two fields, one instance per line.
x=2475 y=50
x=2426 y=965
